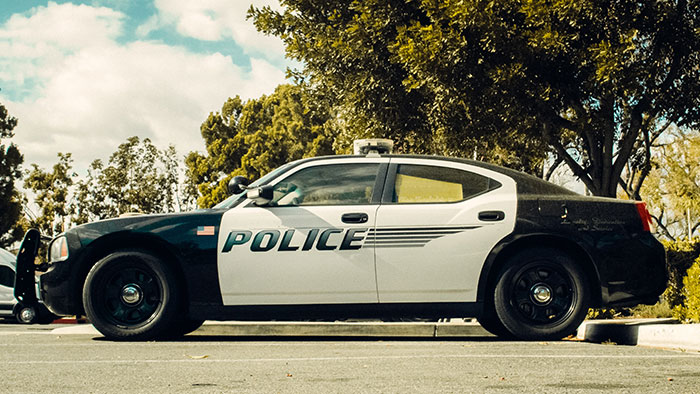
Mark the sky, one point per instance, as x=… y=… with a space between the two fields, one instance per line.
x=83 y=76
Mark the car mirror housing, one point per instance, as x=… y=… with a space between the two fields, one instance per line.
x=261 y=195
x=238 y=184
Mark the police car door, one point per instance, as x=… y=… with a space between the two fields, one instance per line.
x=437 y=223
x=306 y=245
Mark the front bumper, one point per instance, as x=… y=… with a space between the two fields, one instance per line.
x=58 y=292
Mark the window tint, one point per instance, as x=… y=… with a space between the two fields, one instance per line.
x=7 y=276
x=429 y=184
x=336 y=184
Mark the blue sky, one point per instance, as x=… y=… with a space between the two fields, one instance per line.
x=82 y=76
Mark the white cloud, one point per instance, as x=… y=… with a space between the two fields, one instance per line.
x=31 y=46
x=90 y=96
x=213 y=20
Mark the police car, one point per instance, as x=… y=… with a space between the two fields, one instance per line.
x=363 y=236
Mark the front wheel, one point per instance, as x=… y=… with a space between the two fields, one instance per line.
x=541 y=294
x=131 y=295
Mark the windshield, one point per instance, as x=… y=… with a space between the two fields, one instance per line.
x=234 y=199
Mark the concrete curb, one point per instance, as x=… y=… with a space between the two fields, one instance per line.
x=320 y=329
x=664 y=333
x=343 y=329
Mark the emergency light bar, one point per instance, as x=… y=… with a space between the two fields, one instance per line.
x=373 y=145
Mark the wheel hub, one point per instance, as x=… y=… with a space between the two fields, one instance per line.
x=131 y=294
x=541 y=293
x=27 y=315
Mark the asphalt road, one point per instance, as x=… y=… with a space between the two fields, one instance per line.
x=32 y=359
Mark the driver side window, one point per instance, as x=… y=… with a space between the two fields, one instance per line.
x=335 y=184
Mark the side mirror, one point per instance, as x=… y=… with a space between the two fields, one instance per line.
x=261 y=195
x=238 y=184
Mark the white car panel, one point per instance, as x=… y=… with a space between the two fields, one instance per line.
x=307 y=274
x=445 y=269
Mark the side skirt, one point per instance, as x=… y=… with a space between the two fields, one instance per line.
x=336 y=311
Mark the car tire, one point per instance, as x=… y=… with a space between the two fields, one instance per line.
x=490 y=322
x=131 y=295
x=27 y=315
x=184 y=327
x=541 y=294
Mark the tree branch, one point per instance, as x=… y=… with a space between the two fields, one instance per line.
x=555 y=165
x=561 y=152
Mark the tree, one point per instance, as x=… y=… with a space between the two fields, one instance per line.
x=10 y=199
x=52 y=191
x=137 y=178
x=597 y=81
x=346 y=48
x=254 y=137
x=90 y=199
x=673 y=187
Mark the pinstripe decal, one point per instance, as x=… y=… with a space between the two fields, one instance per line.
x=409 y=236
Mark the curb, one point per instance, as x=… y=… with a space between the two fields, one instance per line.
x=319 y=329
x=343 y=329
x=664 y=333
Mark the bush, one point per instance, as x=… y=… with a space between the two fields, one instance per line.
x=680 y=255
x=689 y=310
x=659 y=310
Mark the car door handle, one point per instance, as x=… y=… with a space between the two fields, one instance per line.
x=355 y=217
x=491 y=216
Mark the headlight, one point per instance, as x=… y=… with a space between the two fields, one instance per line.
x=59 y=249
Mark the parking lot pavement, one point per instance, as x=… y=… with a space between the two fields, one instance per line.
x=44 y=361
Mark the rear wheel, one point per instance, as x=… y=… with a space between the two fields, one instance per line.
x=131 y=295
x=541 y=294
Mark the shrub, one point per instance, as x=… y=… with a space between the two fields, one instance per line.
x=689 y=310
x=680 y=255
x=659 y=310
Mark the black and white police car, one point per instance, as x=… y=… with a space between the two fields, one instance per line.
x=364 y=236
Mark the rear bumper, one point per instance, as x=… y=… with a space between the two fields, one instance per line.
x=635 y=272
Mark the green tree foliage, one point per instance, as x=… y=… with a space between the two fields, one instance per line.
x=137 y=178
x=252 y=138
x=347 y=50
x=597 y=81
x=673 y=187
x=52 y=191
x=10 y=200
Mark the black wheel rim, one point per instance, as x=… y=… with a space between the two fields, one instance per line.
x=542 y=294
x=131 y=297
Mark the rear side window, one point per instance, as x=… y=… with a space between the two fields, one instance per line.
x=7 y=276
x=334 y=184
x=416 y=184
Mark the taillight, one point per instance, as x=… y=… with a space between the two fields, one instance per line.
x=644 y=216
